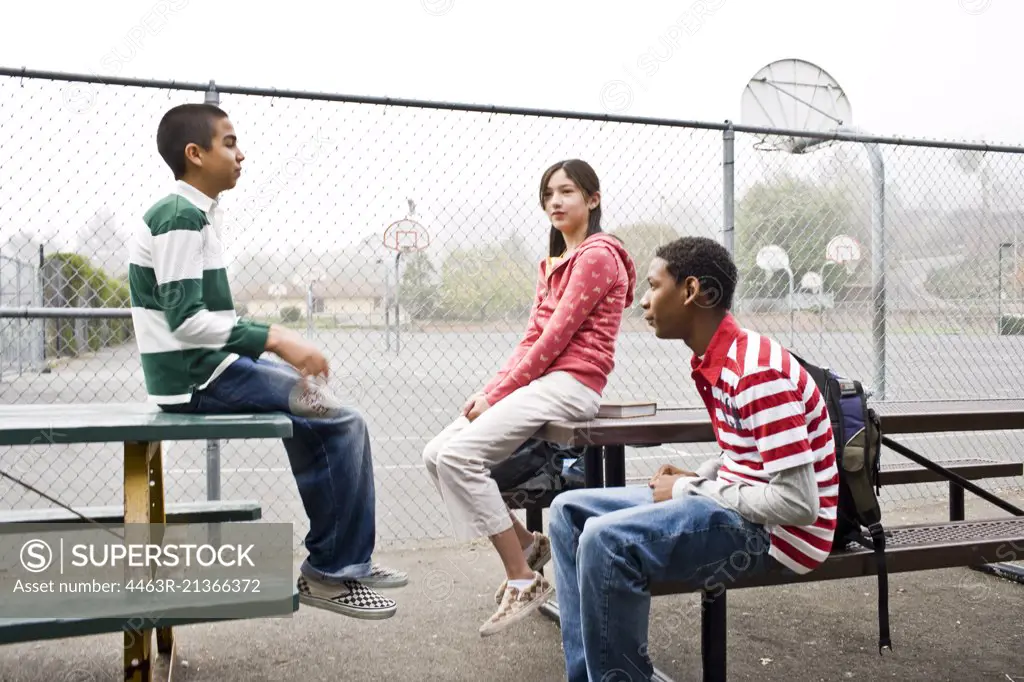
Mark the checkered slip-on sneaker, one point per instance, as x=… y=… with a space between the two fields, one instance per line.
x=382 y=577
x=350 y=598
x=516 y=605
x=540 y=554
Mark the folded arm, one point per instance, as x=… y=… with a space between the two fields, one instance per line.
x=772 y=409
x=590 y=280
x=789 y=499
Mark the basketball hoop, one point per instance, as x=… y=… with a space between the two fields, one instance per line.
x=843 y=250
x=795 y=95
x=406 y=235
x=402 y=236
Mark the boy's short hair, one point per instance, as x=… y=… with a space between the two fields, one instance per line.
x=183 y=125
x=708 y=261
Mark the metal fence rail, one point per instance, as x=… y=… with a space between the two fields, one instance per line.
x=901 y=259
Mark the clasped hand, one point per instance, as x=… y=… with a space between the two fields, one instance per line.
x=475 y=405
x=661 y=483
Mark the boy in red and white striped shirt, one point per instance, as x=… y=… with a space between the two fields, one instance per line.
x=769 y=498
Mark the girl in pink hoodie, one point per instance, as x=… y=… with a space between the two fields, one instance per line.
x=558 y=371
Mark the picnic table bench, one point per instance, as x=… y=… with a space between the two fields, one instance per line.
x=141 y=428
x=974 y=544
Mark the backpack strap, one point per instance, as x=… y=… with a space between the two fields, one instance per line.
x=877 y=544
x=878 y=539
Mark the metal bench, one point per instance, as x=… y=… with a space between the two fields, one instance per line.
x=214 y=511
x=974 y=544
x=917 y=547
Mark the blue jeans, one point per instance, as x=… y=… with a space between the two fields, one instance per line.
x=608 y=544
x=330 y=459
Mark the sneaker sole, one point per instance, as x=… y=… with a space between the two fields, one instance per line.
x=541 y=561
x=384 y=583
x=494 y=628
x=362 y=614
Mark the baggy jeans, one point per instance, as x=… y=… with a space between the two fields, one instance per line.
x=608 y=544
x=329 y=458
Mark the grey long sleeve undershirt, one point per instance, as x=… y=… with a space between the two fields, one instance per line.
x=789 y=499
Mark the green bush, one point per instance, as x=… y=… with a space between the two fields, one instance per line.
x=290 y=314
x=84 y=286
x=1011 y=325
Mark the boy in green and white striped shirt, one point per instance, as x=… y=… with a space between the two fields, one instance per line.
x=199 y=357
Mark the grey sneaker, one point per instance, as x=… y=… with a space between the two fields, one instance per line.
x=516 y=605
x=312 y=397
x=382 y=577
x=539 y=555
x=350 y=598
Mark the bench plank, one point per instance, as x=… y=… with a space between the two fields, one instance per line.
x=693 y=425
x=212 y=511
x=917 y=547
x=970 y=468
x=46 y=424
x=902 y=473
x=15 y=630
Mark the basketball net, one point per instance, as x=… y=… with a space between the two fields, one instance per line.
x=848 y=265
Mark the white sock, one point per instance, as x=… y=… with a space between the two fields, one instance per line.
x=520 y=584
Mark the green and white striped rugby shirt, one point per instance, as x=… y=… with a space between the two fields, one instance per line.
x=186 y=328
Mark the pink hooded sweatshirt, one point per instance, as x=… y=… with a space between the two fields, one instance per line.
x=575 y=319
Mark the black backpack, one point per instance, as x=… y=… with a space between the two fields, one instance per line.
x=857 y=431
x=537 y=469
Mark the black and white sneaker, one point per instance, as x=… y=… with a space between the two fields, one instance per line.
x=349 y=598
x=382 y=577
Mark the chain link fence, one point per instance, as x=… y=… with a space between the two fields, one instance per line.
x=21 y=340
x=912 y=284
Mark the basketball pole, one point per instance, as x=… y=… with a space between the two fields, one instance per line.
x=387 y=305
x=877 y=257
x=728 y=189
x=398 y=298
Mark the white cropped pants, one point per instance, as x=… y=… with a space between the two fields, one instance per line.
x=458 y=459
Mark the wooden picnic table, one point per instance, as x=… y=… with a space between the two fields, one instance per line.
x=693 y=425
x=141 y=428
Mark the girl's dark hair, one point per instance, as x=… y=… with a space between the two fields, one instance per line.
x=585 y=178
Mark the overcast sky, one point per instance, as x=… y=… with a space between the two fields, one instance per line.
x=916 y=68
x=936 y=68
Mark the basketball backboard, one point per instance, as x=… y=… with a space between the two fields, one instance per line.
x=812 y=281
x=842 y=249
x=406 y=235
x=794 y=94
x=771 y=258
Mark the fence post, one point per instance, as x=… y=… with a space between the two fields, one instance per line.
x=17 y=301
x=878 y=265
x=728 y=188
x=212 y=96
x=212 y=446
x=40 y=301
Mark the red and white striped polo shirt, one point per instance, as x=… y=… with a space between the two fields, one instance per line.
x=769 y=415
